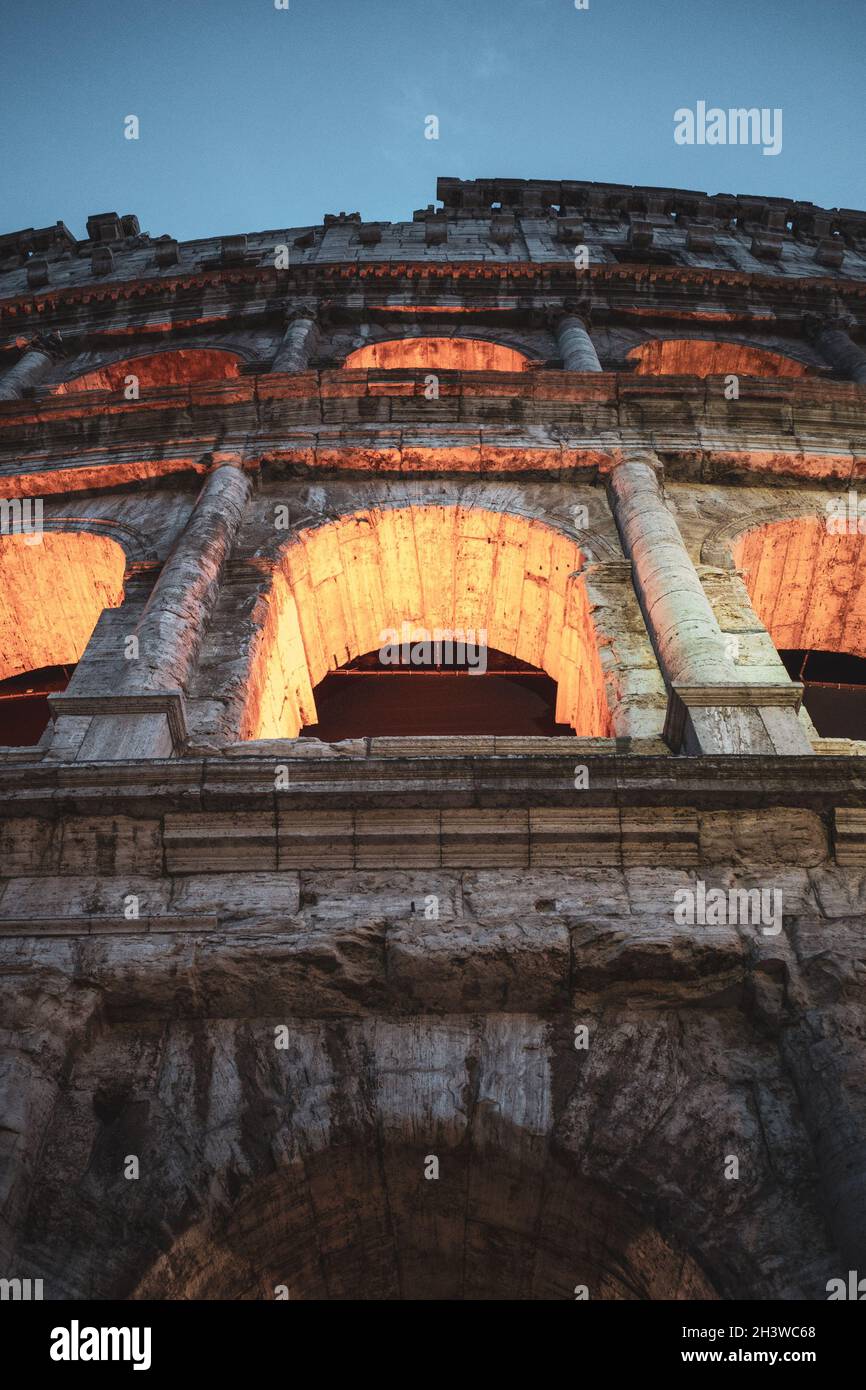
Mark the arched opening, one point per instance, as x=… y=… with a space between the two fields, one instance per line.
x=443 y=354
x=52 y=590
x=357 y=1223
x=424 y=688
x=807 y=584
x=24 y=709
x=424 y=574
x=174 y=367
x=699 y=357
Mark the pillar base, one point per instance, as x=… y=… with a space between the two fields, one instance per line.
x=743 y=719
x=127 y=726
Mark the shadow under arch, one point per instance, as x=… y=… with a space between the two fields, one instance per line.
x=702 y=357
x=338 y=589
x=360 y=1220
x=464 y=354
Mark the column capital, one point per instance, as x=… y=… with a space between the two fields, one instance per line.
x=830 y=335
x=49 y=344
x=814 y=324
x=298 y=313
x=572 y=309
x=648 y=457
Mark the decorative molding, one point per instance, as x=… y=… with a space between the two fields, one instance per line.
x=137 y=546
x=546 y=276
x=716 y=545
x=849 y=835
x=204 y=842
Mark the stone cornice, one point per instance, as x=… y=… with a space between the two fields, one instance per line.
x=320 y=779
x=324 y=278
x=484 y=423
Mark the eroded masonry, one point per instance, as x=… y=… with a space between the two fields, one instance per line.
x=534 y=972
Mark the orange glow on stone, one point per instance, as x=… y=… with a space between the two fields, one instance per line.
x=695 y=357
x=339 y=587
x=51 y=595
x=444 y=354
x=807 y=585
x=178 y=367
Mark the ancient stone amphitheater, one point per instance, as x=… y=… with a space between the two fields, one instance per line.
x=324 y=979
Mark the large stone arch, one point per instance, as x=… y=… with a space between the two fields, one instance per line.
x=718 y=544
x=53 y=588
x=359 y=1220
x=445 y=352
x=694 y=356
x=338 y=588
x=137 y=546
x=305 y=1165
x=167 y=366
x=806 y=582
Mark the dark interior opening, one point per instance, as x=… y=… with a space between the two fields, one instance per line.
x=24 y=711
x=835 y=690
x=447 y=696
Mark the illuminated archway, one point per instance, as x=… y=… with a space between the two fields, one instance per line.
x=174 y=367
x=807 y=584
x=444 y=354
x=700 y=357
x=53 y=588
x=340 y=588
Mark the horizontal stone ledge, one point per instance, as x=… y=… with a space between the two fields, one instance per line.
x=849 y=835
x=106 y=926
x=430 y=838
x=693 y=453
x=150 y=787
x=438 y=746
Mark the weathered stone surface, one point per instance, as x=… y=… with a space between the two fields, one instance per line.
x=580 y=976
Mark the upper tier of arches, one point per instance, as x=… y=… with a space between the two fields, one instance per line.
x=171 y=367
x=444 y=354
x=704 y=357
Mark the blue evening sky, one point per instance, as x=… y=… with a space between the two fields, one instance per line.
x=254 y=118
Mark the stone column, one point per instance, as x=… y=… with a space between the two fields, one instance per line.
x=29 y=370
x=576 y=348
x=174 y=619
x=831 y=339
x=294 y=352
x=712 y=705
x=143 y=716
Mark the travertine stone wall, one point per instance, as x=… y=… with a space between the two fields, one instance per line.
x=286 y=974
